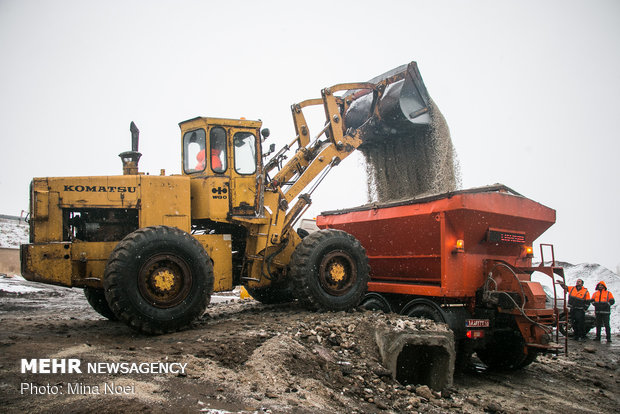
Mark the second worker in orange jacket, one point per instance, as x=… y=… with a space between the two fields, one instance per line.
x=602 y=300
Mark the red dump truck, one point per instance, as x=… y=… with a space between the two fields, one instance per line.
x=463 y=258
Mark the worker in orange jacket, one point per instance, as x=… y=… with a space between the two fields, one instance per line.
x=578 y=303
x=602 y=300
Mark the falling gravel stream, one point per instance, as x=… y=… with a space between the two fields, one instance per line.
x=405 y=166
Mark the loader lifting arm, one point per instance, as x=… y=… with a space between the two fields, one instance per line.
x=315 y=159
x=372 y=108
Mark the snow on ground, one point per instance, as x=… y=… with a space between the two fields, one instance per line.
x=16 y=284
x=13 y=233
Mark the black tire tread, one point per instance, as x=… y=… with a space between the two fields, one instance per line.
x=301 y=267
x=425 y=311
x=96 y=299
x=506 y=354
x=122 y=255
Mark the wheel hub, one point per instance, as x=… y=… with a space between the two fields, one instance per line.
x=164 y=280
x=337 y=273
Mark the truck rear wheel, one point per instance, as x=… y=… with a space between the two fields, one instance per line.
x=506 y=352
x=158 y=279
x=376 y=302
x=424 y=311
x=96 y=299
x=330 y=270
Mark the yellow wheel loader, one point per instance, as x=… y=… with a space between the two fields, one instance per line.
x=150 y=250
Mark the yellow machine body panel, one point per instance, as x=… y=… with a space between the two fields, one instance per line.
x=157 y=199
x=47 y=263
x=210 y=198
x=219 y=248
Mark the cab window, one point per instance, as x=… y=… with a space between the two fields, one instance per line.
x=245 y=152
x=194 y=151
x=217 y=140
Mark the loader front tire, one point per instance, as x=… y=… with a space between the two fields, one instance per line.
x=329 y=269
x=158 y=279
x=96 y=299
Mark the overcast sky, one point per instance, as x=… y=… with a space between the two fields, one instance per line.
x=530 y=90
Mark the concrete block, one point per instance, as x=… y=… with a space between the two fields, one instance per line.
x=418 y=357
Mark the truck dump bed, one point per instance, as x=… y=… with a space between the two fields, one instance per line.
x=412 y=244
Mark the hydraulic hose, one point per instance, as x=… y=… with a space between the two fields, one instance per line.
x=520 y=308
x=270 y=258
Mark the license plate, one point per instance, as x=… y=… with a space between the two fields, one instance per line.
x=476 y=323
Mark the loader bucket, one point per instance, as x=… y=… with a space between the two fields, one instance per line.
x=402 y=110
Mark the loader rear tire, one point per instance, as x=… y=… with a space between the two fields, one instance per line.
x=96 y=299
x=158 y=279
x=329 y=269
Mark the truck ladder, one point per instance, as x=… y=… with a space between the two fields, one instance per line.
x=559 y=271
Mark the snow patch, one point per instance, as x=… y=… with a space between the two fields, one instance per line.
x=13 y=233
x=16 y=284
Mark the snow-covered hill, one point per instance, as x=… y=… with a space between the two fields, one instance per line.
x=591 y=274
x=13 y=233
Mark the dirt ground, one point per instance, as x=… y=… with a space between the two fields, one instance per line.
x=249 y=357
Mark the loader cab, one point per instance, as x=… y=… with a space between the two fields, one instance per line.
x=223 y=158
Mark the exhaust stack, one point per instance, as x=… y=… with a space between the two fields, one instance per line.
x=131 y=158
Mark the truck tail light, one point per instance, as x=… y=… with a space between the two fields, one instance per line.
x=475 y=334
